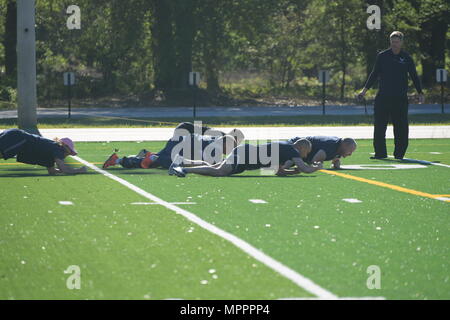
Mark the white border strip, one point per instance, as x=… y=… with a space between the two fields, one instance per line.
x=150 y=203
x=251 y=133
x=278 y=267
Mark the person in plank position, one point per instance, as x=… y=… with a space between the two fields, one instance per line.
x=33 y=149
x=328 y=148
x=252 y=157
x=189 y=144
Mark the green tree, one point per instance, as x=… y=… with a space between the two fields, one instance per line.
x=434 y=21
x=9 y=42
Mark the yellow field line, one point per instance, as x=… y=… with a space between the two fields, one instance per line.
x=385 y=185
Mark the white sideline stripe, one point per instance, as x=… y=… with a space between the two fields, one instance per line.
x=443 y=199
x=352 y=200
x=66 y=203
x=257 y=201
x=275 y=265
x=149 y=203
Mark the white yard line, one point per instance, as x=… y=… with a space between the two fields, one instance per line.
x=150 y=203
x=275 y=265
x=257 y=201
x=351 y=200
x=425 y=162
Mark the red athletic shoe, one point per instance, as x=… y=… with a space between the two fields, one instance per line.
x=111 y=161
x=150 y=157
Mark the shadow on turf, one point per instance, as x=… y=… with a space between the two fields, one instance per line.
x=274 y=176
x=407 y=160
x=31 y=172
x=138 y=171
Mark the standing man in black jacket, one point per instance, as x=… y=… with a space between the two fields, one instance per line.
x=392 y=67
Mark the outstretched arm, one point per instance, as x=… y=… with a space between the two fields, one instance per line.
x=63 y=168
x=285 y=171
x=303 y=167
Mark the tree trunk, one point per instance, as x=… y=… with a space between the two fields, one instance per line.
x=183 y=39
x=163 y=46
x=211 y=55
x=432 y=47
x=10 y=42
x=374 y=40
x=344 y=73
x=212 y=78
x=344 y=55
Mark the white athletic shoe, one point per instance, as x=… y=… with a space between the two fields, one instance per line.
x=175 y=169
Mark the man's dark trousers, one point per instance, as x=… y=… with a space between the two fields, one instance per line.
x=396 y=109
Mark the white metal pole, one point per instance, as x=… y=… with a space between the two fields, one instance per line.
x=26 y=66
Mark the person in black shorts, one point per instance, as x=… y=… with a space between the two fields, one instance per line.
x=392 y=67
x=252 y=157
x=191 y=150
x=33 y=149
x=189 y=143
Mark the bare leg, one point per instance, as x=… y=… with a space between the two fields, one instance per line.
x=193 y=163
x=218 y=170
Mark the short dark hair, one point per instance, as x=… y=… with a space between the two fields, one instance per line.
x=396 y=34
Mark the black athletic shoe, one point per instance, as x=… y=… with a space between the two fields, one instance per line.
x=378 y=157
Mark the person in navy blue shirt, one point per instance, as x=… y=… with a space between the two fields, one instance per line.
x=36 y=150
x=392 y=67
x=191 y=143
x=276 y=155
x=192 y=150
x=328 y=148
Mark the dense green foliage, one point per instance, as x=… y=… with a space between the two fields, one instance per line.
x=143 y=50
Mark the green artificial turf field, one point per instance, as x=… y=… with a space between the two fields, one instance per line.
x=147 y=251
